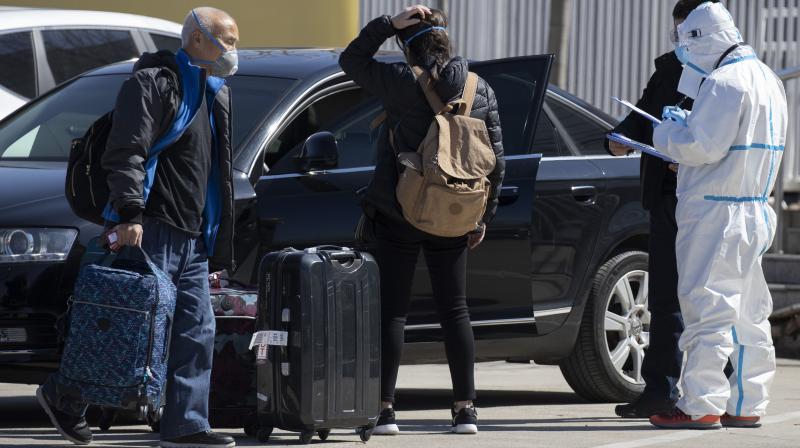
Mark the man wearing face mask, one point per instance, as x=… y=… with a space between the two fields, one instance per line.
x=729 y=149
x=662 y=365
x=178 y=206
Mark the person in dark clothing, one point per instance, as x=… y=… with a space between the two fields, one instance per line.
x=177 y=206
x=422 y=33
x=661 y=369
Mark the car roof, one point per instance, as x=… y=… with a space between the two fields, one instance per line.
x=294 y=63
x=26 y=18
x=302 y=63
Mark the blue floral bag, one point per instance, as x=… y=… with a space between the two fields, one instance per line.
x=120 y=321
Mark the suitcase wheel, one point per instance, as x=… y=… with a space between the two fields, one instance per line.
x=365 y=432
x=107 y=418
x=306 y=437
x=323 y=434
x=154 y=419
x=251 y=430
x=143 y=412
x=263 y=434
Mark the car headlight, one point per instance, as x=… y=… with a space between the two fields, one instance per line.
x=26 y=245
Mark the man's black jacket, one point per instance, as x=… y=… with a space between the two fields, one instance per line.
x=662 y=90
x=409 y=113
x=145 y=108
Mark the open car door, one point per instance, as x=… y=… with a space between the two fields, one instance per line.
x=499 y=271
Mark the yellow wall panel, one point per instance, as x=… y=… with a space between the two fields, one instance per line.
x=262 y=23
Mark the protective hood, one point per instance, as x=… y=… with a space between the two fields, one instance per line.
x=707 y=34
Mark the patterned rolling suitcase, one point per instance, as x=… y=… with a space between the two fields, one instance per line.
x=318 y=344
x=232 y=399
x=120 y=318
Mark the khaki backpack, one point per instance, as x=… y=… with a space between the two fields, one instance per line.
x=444 y=188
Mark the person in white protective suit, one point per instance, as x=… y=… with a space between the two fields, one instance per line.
x=729 y=149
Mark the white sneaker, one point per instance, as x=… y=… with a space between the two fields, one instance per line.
x=465 y=421
x=386 y=425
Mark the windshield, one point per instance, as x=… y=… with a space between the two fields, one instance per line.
x=44 y=131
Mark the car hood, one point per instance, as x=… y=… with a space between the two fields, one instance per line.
x=32 y=195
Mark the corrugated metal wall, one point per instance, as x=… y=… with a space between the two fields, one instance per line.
x=482 y=29
x=612 y=43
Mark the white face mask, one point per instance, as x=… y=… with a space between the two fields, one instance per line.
x=690 y=82
x=227 y=63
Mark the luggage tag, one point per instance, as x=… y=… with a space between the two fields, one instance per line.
x=263 y=339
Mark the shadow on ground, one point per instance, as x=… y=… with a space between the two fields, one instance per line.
x=427 y=399
x=24 y=420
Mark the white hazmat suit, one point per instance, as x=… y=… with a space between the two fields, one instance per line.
x=729 y=150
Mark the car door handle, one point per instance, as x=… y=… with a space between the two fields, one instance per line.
x=508 y=194
x=585 y=194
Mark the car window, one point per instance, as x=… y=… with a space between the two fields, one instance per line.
x=587 y=135
x=45 y=130
x=546 y=141
x=164 y=42
x=72 y=52
x=514 y=91
x=252 y=98
x=347 y=114
x=17 y=71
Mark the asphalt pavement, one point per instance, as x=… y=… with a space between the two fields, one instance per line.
x=520 y=405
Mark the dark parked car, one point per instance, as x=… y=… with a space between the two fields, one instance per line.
x=561 y=278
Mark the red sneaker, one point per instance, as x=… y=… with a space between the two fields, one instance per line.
x=677 y=419
x=733 y=421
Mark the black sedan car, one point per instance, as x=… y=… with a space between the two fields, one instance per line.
x=561 y=278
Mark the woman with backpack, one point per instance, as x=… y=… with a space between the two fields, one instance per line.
x=470 y=177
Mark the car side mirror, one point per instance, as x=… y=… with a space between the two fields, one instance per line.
x=320 y=152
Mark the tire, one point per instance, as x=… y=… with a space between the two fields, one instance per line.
x=323 y=434
x=616 y=319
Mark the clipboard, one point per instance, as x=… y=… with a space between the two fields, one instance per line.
x=647 y=149
x=630 y=106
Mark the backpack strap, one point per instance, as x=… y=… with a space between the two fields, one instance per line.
x=424 y=80
x=378 y=120
x=468 y=97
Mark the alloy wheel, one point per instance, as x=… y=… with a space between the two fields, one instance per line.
x=627 y=325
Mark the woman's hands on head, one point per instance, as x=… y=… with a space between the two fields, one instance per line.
x=405 y=20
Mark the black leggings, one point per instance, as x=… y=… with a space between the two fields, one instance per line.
x=396 y=250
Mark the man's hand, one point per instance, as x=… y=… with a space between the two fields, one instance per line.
x=127 y=235
x=404 y=20
x=618 y=149
x=673 y=167
x=476 y=238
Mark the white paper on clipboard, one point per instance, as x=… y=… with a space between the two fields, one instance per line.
x=630 y=106
x=647 y=149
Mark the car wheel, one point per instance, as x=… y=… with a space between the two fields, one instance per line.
x=606 y=363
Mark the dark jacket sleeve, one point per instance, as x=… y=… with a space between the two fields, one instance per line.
x=139 y=115
x=496 y=137
x=357 y=61
x=635 y=126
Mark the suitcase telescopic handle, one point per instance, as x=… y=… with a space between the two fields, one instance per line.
x=344 y=256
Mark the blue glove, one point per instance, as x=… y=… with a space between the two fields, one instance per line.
x=675 y=114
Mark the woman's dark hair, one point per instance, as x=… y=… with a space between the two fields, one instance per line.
x=685 y=7
x=430 y=50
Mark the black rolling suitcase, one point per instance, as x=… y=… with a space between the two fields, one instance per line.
x=318 y=342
